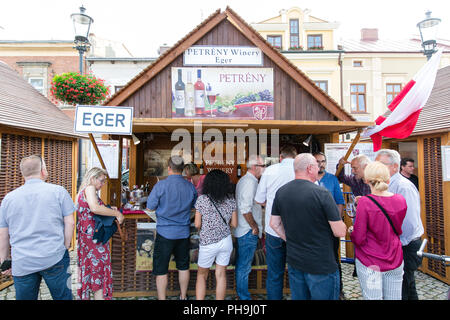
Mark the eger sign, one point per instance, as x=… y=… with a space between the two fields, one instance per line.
x=106 y=120
x=223 y=56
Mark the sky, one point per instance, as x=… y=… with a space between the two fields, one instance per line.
x=143 y=25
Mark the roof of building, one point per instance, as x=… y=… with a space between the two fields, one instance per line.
x=23 y=107
x=385 y=45
x=214 y=19
x=435 y=115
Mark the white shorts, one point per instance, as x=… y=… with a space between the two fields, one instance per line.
x=219 y=252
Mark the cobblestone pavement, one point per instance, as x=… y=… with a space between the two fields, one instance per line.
x=428 y=287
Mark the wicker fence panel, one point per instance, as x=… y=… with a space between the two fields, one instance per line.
x=434 y=203
x=13 y=149
x=58 y=160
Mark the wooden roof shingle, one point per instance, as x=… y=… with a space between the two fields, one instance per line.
x=23 y=107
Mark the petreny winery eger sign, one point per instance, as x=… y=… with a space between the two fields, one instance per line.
x=239 y=93
x=223 y=56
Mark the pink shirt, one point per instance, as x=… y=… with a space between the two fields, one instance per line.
x=199 y=186
x=375 y=242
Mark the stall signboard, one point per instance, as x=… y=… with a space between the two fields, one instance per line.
x=105 y=120
x=223 y=56
x=145 y=244
x=445 y=151
x=233 y=93
x=336 y=151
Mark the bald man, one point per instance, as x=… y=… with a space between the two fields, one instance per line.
x=307 y=218
x=36 y=219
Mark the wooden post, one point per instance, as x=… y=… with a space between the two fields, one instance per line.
x=352 y=146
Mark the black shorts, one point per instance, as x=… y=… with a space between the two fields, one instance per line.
x=163 y=250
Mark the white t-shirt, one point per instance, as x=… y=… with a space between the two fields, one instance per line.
x=273 y=178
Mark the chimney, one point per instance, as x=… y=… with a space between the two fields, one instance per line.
x=163 y=48
x=369 y=34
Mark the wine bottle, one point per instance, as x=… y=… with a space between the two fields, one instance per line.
x=179 y=94
x=239 y=171
x=199 y=91
x=201 y=168
x=189 y=110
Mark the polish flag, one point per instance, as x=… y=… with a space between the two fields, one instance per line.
x=404 y=110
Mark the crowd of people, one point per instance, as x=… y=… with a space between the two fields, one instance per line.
x=302 y=227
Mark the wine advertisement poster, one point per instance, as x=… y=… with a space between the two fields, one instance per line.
x=235 y=93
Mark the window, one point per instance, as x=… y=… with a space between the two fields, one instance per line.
x=315 y=41
x=275 y=41
x=357 y=63
x=358 y=98
x=392 y=90
x=294 y=33
x=38 y=84
x=322 y=84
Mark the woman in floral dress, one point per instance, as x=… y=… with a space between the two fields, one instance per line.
x=94 y=259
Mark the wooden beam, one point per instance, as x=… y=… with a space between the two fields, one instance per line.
x=349 y=151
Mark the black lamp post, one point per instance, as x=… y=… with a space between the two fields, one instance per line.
x=428 y=31
x=81 y=23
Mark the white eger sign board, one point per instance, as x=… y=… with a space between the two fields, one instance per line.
x=107 y=120
x=223 y=56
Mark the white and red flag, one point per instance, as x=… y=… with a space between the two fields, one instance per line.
x=401 y=118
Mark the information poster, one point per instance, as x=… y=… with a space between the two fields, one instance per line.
x=237 y=93
x=145 y=243
x=109 y=150
x=336 y=151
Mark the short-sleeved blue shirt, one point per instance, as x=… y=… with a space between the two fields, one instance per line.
x=34 y=215
x=331 y=183
x=173 y=198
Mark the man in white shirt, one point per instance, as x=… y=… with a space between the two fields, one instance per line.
x=412 y=228
x=249 y=227
x=272 y=179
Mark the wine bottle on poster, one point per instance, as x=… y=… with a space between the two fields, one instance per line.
x=189 y=110
x=199 y=90
x=179 y=94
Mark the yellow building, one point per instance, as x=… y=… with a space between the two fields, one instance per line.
x=362 y=75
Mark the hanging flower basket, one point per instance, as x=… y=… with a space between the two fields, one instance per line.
x=74 y=88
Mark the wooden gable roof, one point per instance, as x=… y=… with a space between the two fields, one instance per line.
x=294 y=85
x=23 y=107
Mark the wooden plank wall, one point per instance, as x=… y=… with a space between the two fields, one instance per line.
x=154 y=99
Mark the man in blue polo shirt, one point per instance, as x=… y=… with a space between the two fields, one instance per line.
x=172 y=198
x=331 y=183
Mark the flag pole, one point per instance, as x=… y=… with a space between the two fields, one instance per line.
x=349 y=151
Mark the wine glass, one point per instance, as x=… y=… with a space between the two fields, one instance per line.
x=211 y=99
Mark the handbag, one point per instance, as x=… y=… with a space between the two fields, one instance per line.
x=385 y=213
x=104 y=228
x=220 y=214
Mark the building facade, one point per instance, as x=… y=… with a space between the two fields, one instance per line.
x=362 y=75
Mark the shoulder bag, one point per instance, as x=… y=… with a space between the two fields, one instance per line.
x=220 y=214
x=385 y=213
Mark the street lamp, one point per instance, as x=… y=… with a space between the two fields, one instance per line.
x=81 y=24
x=428 y=31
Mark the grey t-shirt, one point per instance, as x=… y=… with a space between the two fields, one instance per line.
x=34 y=215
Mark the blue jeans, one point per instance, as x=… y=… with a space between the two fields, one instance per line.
x=246 y=246
x=307 y=286
x=56 y=277
x=276 y=265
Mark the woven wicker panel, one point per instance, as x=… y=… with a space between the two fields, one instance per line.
x=127 y=281
x=434 y=203
x=13 y=149
x=58 y=159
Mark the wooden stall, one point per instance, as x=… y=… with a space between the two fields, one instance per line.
x=425 y=146
x=31 y=124
x=288 y=105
